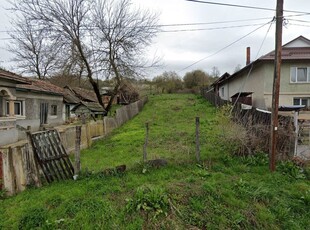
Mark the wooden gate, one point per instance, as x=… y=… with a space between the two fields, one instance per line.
x=51 y=155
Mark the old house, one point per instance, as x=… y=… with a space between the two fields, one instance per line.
x=27 y=102
x=255 y=80
x=82 y=102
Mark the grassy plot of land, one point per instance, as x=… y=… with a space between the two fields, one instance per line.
x=222 y=192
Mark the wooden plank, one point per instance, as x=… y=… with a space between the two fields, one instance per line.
x=58 y=155
x=41 y=155
x=65 y=160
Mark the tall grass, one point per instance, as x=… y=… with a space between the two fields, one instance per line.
x=222 y=192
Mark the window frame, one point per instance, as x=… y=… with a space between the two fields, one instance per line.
x=223 y=91
x=294 y=75
x=21 y=108
x=54 y=109
x=301 y=101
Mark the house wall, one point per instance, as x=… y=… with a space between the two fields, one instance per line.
x=288 y=90
x=32 y=104
x=245 y=83
x=260 y=82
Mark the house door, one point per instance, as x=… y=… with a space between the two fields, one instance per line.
x=43 y=113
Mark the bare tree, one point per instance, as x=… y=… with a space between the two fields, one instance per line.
x=104 y=37
x=31 y=53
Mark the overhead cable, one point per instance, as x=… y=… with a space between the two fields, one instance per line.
x=244 y=6
x=227 y=46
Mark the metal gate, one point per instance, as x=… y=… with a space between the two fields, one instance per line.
x=51 y=155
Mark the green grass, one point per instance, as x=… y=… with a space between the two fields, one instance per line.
x=223 y=192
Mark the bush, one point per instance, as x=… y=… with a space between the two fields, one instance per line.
x=292 y=170
x=149 y=200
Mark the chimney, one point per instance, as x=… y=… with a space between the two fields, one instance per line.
x=248 y=55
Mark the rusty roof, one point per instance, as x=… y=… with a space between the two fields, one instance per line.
x=85 y=94
x=70 y=97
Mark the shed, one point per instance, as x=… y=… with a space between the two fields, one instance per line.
x=89 y=109
x=242 y=97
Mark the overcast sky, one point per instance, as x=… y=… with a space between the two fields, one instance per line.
x=189 y=44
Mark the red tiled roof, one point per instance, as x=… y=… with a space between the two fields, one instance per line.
x=42 y=86
x=13 y=77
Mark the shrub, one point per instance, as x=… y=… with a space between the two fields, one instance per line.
x=147 y=199
x=292 y=170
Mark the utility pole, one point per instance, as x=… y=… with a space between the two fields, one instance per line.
x=276 y=87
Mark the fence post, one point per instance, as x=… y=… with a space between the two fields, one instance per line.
x=197 y=140
x=146 y=142
x=77 y=167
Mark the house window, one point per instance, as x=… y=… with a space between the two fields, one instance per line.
x=54 y=110
x=300 y=75
x=302 y=101
x=7 y=110
x=222 y=92
x=19 y=108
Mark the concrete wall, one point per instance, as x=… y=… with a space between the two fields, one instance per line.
x=19 y=168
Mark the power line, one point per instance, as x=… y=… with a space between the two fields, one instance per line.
x=251 y=68
x=244 y=6
x=229 y=45
x=210 y=23
x=214 y=28
x=180 y=24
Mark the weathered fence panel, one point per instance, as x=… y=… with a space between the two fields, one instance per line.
x=51 y=155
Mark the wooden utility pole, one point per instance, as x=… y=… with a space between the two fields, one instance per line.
x=276 y=87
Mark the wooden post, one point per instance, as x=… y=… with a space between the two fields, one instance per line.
x=146 y=142
x=33 y=171
x=276 y=87
x=77 y=167
x=197 y=140
x=296 y=131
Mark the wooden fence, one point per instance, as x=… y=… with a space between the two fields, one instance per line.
x=19 y=167
x=258 y=126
